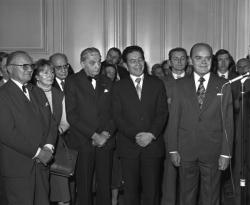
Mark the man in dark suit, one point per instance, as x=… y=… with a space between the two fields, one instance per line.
x=28 y=133
x=178 y=63
x=114 y=57
x=140 y=112
x=88 y=108
x=61 y=68
x=200 y=130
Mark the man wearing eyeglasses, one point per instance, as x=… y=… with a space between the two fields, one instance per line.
x=28 y=133
x=61 y=67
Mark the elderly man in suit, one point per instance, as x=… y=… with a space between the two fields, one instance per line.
x=140 y=112
x=61 y=68
x=88 y=108
x=178 y=62
x=200 y=130
x=28 y=133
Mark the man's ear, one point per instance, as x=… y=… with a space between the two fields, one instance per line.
x=82 y=64
x=9 y=68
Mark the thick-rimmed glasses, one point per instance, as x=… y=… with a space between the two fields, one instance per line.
x=62 y=67
x=25 y=66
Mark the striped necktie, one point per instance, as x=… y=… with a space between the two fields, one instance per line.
x=201 y=92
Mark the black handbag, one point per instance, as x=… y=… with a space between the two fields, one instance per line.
x=64 y=162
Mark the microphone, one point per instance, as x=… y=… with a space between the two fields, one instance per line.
x=244 y=79
x=239 y=77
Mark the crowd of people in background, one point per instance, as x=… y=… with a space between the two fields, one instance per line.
x=164 y=135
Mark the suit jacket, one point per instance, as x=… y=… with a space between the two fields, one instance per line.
x=88 y=110
x=25 y=125
x=132 y=116
x=55 y=85
x=169 y=83
x=57 y=98
x=199 y=134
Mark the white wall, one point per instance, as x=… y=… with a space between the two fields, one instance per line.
x=43 y=27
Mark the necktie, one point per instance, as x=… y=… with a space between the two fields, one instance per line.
x=201 y=92
x=24 y=87
x=138 y=87
x=223 y=76
x=62 y=84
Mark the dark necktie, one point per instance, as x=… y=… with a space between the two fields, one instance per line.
x=91 y=78
x=62 y=84
x=223 y=76
x=24 y=87
x=138 y=87
x=201 y=92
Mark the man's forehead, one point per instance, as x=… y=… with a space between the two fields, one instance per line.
x=243 y=63
x=19 y=58
x=179 y=53
x=93 y=56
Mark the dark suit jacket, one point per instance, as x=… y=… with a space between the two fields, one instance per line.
x=199 y=134
x=132 y=116
x=25 y=125
x=55 y=85
x=88 y=109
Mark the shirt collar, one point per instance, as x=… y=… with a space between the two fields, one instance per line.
x=133 y=77
x=178 y=75
x=20 y=85
x=225 y=74
x=197 y=77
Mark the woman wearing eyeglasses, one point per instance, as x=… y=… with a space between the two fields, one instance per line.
x=43 y=77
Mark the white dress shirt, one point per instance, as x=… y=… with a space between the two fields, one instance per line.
x=177 y=76
x=133 y=77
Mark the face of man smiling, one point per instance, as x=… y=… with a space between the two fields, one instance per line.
x=201 y=59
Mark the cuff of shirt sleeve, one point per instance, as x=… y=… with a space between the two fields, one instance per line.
x=50 y=146
x=173 y=152
x=225 y=156
x=37 y=153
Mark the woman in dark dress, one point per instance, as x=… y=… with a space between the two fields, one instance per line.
x=43 y=77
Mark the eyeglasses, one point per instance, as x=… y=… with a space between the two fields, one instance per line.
x=61 y=67
x=25 y=66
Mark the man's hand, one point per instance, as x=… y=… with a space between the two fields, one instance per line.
x=98 y=140
x=175 y=158
x=45 y=156
x=143 y=139
x=223 y=163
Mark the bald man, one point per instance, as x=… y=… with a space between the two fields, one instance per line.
x=197 y=142
x=28 y=134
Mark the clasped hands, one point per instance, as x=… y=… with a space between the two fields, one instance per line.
x=45 y=156
x=143 y=139
x=223 y=162
x=99 y=140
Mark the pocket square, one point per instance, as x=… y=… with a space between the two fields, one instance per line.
x=106 y=91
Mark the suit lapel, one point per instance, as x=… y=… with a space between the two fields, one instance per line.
x=133 y=90
x=86 y=84
x=191 y=89
x=100 y=86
